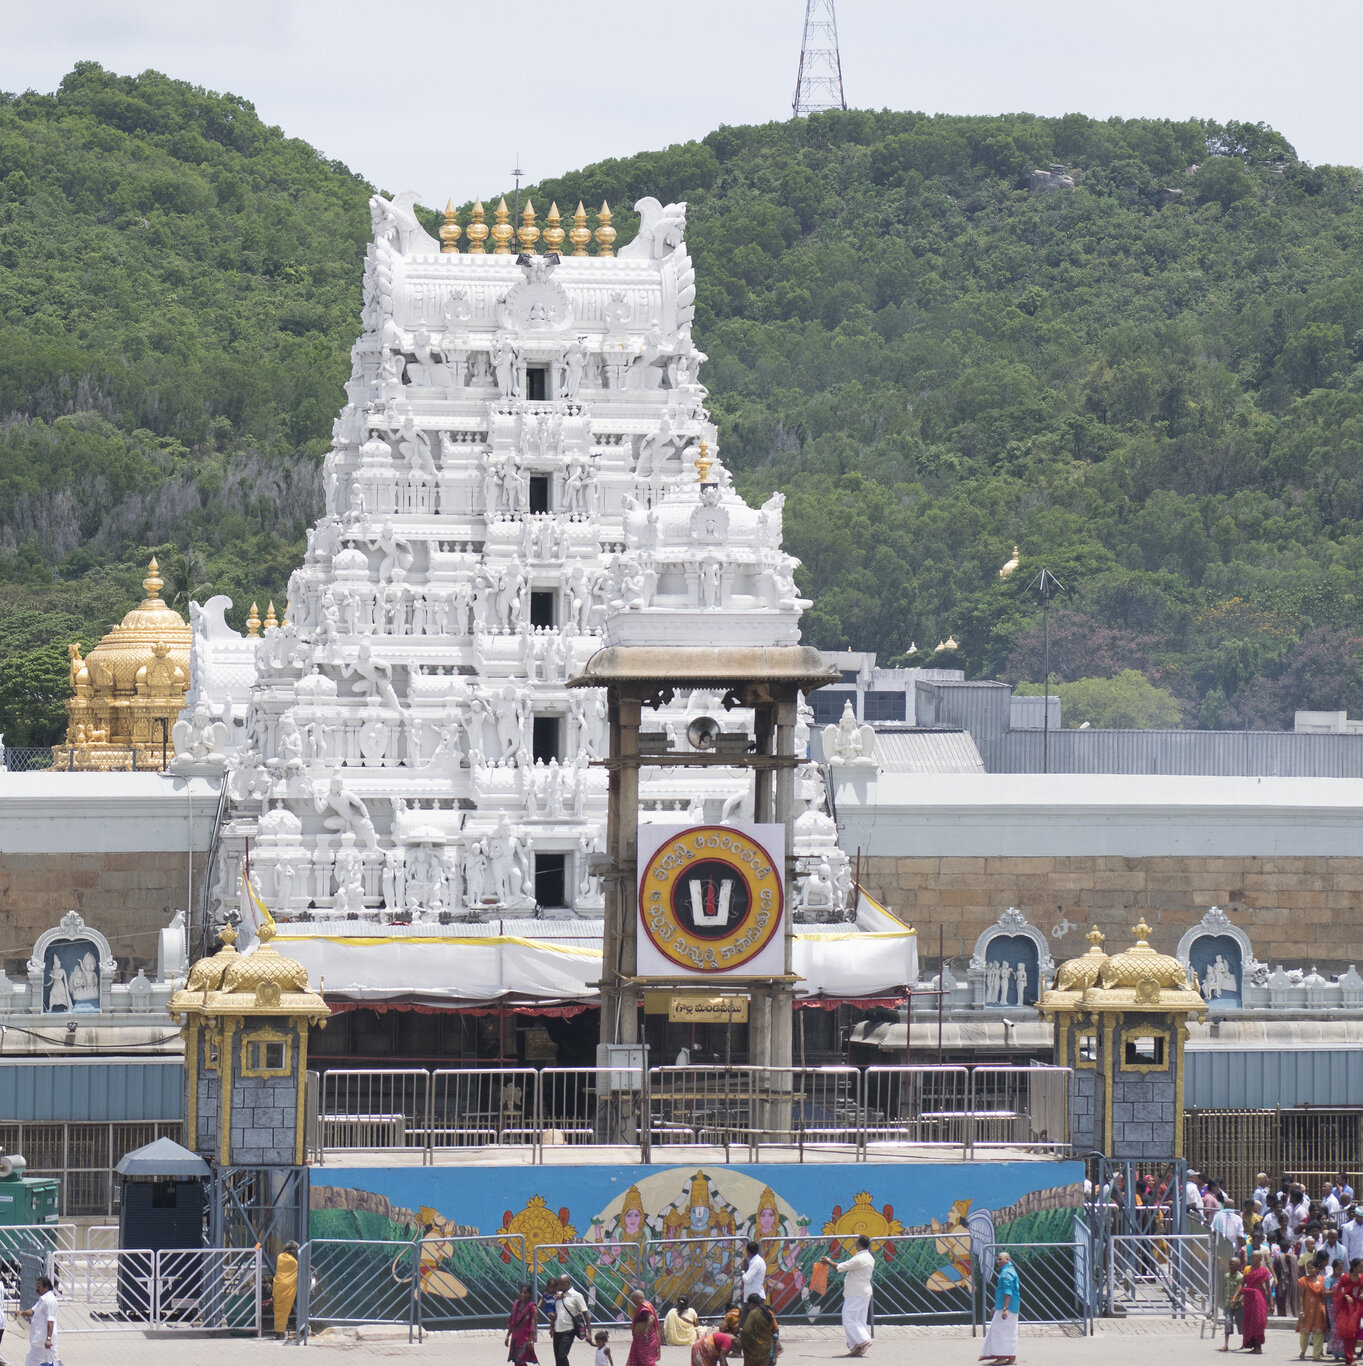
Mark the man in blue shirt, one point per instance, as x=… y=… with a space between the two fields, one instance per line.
x=1001 y=1340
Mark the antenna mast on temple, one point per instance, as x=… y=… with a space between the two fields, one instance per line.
x=819 y=82
x=518 y=173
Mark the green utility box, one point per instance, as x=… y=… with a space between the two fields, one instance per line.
x=27 y=1200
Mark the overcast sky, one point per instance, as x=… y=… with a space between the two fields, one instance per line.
x=441 y=98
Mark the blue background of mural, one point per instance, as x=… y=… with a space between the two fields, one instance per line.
x=69 y=952
x=1202 y=953
x=1012 y=948
x=479 y=1197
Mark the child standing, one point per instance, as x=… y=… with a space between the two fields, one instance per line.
x=603 y=1353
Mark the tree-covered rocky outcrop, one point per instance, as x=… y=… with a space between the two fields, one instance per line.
x=1150 y=380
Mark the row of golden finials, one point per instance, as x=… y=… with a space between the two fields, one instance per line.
x=253 y=621
x=502 y=232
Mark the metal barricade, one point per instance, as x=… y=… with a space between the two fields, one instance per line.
x=105 y=1290
x=359 y=1282
x=926 y=1107
x=1171 y=1275
x=1020 y=1107
x=468 y=1282
x=48 y=1237
x=919 y=1278
x=208 y=1289
x=1056 y=1281
x=479 y=1107
x=376 y=1109
x=101 y=1237
x=604 y=1273
x=602 y=1106
x=706 y=1106
x=708 y=1271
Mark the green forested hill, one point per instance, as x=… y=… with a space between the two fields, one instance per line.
x=1152 y=381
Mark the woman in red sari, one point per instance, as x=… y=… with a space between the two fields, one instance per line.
x=1348 y=1293
x=646 y=1347
x=1254 y=1293
x=520 y=1330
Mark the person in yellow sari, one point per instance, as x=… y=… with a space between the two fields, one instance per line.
x=285 y=1288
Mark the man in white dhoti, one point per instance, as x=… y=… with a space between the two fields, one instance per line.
x=856 y=1296
x=1001 y=1340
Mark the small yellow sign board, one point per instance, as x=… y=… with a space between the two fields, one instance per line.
x=695 y=1009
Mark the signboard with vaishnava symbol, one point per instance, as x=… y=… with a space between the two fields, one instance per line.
x=711 y=900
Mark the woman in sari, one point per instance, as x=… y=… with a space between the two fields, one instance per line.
x=520 y=1329
x=1313 y=1320
x=1254 y=1292
x=1347 y=1291
x=759 y=1334
x=1333 y=1346
x=646 y=1346
x=712 y=1348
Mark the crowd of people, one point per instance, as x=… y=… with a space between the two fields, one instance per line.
x=1294 y=1257
x=748 y=1327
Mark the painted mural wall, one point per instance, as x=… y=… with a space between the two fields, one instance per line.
x=680 y=1230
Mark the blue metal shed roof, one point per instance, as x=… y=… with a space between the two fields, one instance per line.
x=1263 y=1079
x=81 y=1090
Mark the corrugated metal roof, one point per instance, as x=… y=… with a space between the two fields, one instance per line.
x=1209 y=753
x=81 y=1089
x=1262 y=1079
x=927 y=751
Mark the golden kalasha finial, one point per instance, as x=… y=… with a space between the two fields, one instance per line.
x=450 y=229
x=528 y=234
x=581 y=234
x=1009 y=565
x=228 y=934
x=270 y=618
x=605 y=234
x=284 y=621
x=477 y=231
x=553 y=234
x=153 y=583
x=502 y=231
x=703 y=463
x=1142 y=932
x=1095 y=937
x=253 y=621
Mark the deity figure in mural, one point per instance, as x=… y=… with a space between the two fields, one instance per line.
x=618 y=1263
x=785 y=1279
x=698 y=1249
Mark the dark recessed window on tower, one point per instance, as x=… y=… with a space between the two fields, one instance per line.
x=884 y=706
x=545 y=743
x=551 y=879
x=539 y=493
x=536 y=383
x=542 y=609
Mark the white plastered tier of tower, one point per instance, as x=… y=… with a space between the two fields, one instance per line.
x=513 y=482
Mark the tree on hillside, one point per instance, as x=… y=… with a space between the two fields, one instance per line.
x=1126 y=701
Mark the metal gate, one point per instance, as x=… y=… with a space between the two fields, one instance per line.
x=468 y=1282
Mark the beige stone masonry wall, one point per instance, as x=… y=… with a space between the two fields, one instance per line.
x=127 y=896
x=1296 y=910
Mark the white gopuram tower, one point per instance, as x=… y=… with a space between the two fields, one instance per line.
x=525 y=456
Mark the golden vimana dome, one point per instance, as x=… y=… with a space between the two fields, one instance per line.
x=248 y=972
x=1142 y=963
x=1078 y=974
x=127 y=686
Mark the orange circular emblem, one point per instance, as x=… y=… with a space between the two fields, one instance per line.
x=710 y=899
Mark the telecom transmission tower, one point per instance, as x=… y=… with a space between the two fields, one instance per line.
x=819 y=84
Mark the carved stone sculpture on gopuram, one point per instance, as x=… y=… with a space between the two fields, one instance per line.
x=524 y=469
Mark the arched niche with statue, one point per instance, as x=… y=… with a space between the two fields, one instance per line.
x=1219 y=954
x=72 y=969
x=1011 y=963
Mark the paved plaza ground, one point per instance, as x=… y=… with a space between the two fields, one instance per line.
x=1135 y=1342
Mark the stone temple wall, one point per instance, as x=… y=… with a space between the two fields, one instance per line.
x=1301 y=911
x=128 y=897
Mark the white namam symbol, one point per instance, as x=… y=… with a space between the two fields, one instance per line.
x=707 y=908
